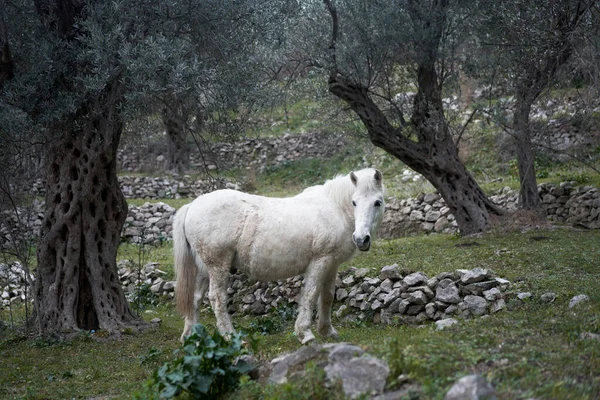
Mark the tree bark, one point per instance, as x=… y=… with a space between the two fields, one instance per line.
x=77 y=284
x=6 y=61
x=177 y=148
x=528 y=193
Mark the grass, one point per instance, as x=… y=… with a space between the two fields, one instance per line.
x=293 y=177
x=86 y=366
x=177 y=203
x=300 y=117
x=533 y=349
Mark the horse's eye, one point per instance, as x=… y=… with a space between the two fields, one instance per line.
x=377 y=203
x=353 y=203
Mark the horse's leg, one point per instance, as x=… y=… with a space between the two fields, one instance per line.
x=217 y=294
x=308 y=299
x=324 y=327
x=201 y=290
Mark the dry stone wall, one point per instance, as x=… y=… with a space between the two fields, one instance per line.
x=389 y=295
x=392 y=296
x=563 y=203
x=152 y=188
x=152 y=222
x=258 y=153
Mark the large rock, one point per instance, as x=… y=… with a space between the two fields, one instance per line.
x=475 y=275
x=359 y=375
x=476 y=305
x=391 y=272
x=447 y=292
x=417 y=297
x=471 y=387
x=417 y=278
x=358 y=372
x=286 y=365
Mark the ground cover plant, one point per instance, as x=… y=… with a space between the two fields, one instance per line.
x=206 y=366
x=532 y=349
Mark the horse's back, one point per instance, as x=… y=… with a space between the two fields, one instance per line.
x=214 y=218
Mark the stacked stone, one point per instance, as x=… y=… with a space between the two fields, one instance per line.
x=388 y=298
x=258 y=153
x=572 y=205
x=394 y=297
x=560 y=136
x=150 y=275
x=25 y=226
x=427 y=212
x=258 y=298
x=147 y=187
x=245 y=296
x=13 y=281
x=150 y=223
x=169 y=188
x=564 y=203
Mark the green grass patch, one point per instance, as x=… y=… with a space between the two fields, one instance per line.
x=532 y=349
x=162 y=254
x=88 y=365
x=292 y=177
x=300 y=117
x=176 y=203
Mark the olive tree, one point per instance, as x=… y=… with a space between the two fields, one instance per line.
x=81 y=71
x=528 y=42
x=372 y=46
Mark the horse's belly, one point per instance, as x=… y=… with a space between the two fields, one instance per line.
x=268 y=265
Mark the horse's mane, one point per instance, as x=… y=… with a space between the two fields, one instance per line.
x=340 y=189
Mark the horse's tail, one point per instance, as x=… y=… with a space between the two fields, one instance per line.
x=185 y=265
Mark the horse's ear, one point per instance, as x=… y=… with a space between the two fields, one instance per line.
x=353 y=178
x=378 y=177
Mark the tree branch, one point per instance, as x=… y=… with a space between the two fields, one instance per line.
x=464 y=127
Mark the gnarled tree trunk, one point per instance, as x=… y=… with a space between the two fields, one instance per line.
x=435 y=155
x=77 y=284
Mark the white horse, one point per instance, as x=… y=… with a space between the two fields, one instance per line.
x=271 y=239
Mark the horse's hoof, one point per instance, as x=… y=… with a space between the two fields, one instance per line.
x=309 y=337
x=329 y=333
x=333 y=334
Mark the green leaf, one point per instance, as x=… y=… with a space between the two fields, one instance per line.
x=169 y=392
x=202 y=384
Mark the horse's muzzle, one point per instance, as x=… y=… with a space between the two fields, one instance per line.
x=363 y=244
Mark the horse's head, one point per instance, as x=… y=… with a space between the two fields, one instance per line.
x=368 y=206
